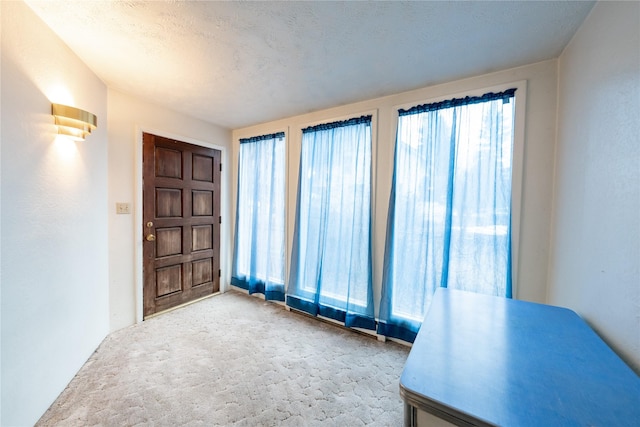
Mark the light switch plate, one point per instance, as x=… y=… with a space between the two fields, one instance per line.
x=123 y=208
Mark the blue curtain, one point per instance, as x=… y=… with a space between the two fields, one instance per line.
x=258 y=260
x=331 y=258
x=449 y=221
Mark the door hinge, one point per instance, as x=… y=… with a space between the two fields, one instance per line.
x=219 y=220
x=220 y=167
x=219 y=273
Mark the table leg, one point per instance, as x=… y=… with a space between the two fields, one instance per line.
x=409 y=416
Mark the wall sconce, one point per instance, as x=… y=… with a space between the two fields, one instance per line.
x=73 y=122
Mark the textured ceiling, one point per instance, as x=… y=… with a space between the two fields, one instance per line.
x=242 y=63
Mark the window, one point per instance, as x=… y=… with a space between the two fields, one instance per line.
x=258 y=261
x=331 y=257
x=450 y=207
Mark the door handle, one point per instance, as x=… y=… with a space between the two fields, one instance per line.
x=151 y=238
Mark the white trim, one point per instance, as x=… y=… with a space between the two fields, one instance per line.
x=517 y=179
x=138 y=205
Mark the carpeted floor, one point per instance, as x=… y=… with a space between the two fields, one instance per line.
x=235 y=360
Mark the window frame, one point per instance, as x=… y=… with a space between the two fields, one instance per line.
x=517 y=168
x=373 y=177
x=234 y=194
x=294 y=155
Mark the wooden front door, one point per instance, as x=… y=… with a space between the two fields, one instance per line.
x=181 y=222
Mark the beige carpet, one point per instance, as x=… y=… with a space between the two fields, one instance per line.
x=235 y=360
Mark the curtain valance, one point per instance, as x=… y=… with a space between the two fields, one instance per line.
x=455 y=102
x=333 y=125
x=278 y=135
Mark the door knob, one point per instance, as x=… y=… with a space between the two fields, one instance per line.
x=151 y=238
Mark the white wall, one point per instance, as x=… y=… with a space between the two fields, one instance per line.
x=537 y=172
x=128 y=118
x=595 y=256
x=0 y=234
x=54 y=218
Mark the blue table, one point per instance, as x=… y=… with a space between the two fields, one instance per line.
x=483 y=360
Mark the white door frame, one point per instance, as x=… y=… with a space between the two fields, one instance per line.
x=138 y=226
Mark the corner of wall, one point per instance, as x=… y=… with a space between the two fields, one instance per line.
x=1 y=8
x=550 y=264
x=595 y=255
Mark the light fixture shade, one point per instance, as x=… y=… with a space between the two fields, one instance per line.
x=73 y=122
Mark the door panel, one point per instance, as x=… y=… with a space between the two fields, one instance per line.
x=202 y=271
x=202 y=168
x=168 y=241
x=201 y=238
x=168 y=280
x=202 y=203
x=168 y=202
x=181 y=214
x=168 y=163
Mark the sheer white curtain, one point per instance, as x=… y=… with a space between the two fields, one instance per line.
x=450 y=207
x=258 y=261
x=331 y=258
